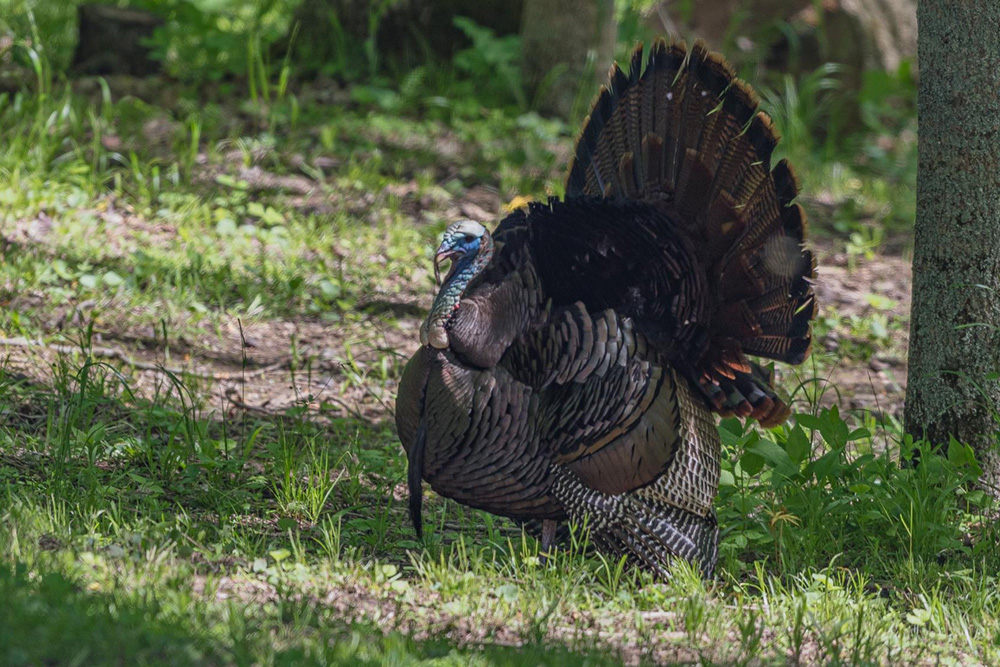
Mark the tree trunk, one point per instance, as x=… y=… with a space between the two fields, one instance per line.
x=566 y=44
x=332 y=33
x=955 y=321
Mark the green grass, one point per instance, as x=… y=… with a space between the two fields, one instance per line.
x=245 y=503
x=284 y=540
x=49 y=614
x=151 y=230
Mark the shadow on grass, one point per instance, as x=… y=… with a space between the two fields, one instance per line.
x=222 y=485
x=89 y=474
x=51 y=618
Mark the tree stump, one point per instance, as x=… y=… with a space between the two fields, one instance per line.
x=113 y=41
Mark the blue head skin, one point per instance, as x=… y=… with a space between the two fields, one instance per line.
x=469 y=247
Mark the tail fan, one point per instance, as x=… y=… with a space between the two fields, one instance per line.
x=684 y=135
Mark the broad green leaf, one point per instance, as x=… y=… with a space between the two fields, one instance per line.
x=880 y=302
x=809 y=421
x=751 y=462
x=797 y=445
x=112 y=279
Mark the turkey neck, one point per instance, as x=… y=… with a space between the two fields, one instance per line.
x=448 y=299
x=501 y=305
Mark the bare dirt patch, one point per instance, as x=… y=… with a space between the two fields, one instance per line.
x=864 y=373
x=270 y=365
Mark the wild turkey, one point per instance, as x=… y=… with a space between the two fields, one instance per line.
x=571 y=360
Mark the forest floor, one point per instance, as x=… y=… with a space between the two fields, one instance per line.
x=204 y=311
x=257 y=362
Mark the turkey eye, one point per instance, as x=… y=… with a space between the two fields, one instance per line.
x=469 y=238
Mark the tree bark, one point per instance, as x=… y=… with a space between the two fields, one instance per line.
x=955 y=318
x=575 y=36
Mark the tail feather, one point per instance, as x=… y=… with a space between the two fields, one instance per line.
x=414 y=479
x=786 y=183
x=684 y=134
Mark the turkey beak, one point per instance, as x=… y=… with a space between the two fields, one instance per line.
x=443 y=254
